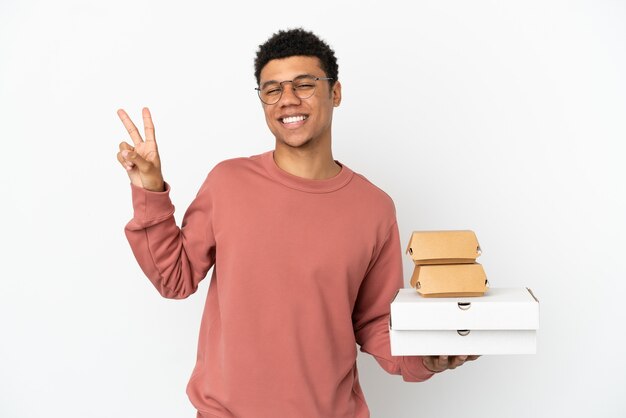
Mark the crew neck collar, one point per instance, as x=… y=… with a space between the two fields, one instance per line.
x=306 y=185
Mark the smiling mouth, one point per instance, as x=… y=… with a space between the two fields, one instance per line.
x=293 y=119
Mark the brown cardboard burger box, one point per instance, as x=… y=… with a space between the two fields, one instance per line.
x=443 y=247
x=449 y=280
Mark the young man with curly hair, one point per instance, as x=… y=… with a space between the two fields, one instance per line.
x=305 y=254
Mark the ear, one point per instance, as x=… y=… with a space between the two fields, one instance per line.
x=336 y=94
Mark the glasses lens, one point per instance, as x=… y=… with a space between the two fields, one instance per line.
x=304 y=86
x=270 y=93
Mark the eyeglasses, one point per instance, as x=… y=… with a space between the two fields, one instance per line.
x=303 y=87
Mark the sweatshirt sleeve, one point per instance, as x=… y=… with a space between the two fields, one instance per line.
x=371 y=312
x=174 y=259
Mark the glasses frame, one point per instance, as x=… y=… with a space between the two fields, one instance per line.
x=295 y=91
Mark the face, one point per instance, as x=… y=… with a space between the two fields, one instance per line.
x=295 y=122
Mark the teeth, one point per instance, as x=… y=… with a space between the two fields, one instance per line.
x=292 y=119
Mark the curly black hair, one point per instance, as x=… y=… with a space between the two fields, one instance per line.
x=293 y=42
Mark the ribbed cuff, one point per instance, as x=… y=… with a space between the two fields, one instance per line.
x=151 y=207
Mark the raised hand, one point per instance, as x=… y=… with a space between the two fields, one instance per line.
x=438 y=364
x=141 y=161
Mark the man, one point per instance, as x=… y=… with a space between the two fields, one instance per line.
x=305 y=254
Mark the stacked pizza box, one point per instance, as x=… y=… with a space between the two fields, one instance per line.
x=445 y=264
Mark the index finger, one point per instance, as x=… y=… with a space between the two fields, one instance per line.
x=148 y=126
x=130 y=127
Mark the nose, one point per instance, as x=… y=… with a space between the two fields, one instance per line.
x=289 y=96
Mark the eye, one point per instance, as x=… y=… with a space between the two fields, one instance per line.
x=271 y=91
x=305 y=85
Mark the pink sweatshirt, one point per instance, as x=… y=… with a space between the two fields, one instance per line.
x=303 y=270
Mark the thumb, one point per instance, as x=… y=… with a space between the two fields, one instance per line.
x=138 y=160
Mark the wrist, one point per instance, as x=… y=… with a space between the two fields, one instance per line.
x=155 y=187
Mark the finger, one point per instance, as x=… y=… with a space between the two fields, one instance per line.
x=126 y=146
x=138 y=160
x=442 y=363
x=472 y=358
x=148 y=126
x=457 y=361
x=126 y=164
x=130 y=127
x=429 y=363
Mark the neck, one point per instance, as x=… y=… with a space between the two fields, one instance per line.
x=315 y=164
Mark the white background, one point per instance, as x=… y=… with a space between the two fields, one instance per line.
x=507 y=118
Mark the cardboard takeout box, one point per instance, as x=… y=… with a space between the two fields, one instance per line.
x=443 y=247
x=449 y=280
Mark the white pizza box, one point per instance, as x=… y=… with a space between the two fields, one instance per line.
x=503 y=321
